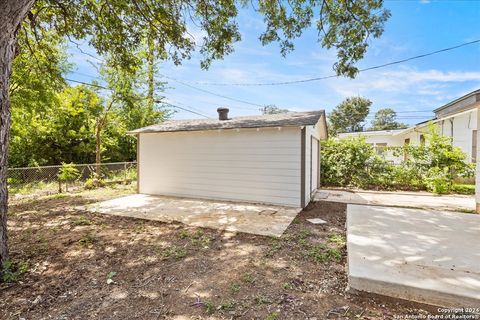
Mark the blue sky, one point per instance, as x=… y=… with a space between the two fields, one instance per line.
x=413 y=89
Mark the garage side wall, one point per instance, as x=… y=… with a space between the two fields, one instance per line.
x=240 y=165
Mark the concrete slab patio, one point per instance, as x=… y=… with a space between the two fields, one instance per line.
x=422 y=200
x=258 y=219
x=430 y=257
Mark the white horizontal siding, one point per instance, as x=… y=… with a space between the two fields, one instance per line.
x=246 y=165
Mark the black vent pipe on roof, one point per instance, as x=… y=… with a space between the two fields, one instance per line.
x=222 y=113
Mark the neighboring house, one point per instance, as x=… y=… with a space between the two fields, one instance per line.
x=271 y=159
x=456 y=119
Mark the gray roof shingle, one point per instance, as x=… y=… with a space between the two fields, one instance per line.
x=289 y=119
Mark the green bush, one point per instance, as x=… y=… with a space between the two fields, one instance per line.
x=351 y=162
x=438 y=180
x=68 y=172
x=433 y=166
x=93 y=183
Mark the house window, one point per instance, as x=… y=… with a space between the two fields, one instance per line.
x=422 y=140
x=474 y=145
x=380 y=148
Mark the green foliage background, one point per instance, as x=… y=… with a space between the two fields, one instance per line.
x=433 y=166
x=53 y=122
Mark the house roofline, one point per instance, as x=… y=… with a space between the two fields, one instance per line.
x=466 y=96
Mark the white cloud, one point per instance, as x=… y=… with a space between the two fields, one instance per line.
x=405 y=80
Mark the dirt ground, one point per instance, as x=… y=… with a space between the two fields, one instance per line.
x=83 y=265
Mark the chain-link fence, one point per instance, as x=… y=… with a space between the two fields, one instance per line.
x=47 y=177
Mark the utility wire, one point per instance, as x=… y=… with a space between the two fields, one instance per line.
x=188 y=85
x=166 y=103
x=185 y=109
x=215 y=94
x=88 y=84
x=334 y=75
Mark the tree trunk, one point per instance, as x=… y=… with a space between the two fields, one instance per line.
x=12 y=13
x=150 y=73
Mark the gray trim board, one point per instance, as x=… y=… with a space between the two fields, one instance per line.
x=311 y=163
x=312 y=138
x=138 y=163
x=318 y=163
x=303 y=135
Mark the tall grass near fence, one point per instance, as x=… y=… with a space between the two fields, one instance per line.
x=57 y=178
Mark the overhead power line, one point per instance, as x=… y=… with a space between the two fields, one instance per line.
x=334 y=75
x=185 y=109
x=88 y=84
x=213 y=93
x=166 y=103
x=182 y=83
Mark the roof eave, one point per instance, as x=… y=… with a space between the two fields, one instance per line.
x=468 y=95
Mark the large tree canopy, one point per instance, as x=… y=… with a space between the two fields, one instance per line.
x=350 y=115
x=386 y=119
x=116 y=27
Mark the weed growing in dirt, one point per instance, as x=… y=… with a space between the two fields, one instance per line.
x=272 y=316
x=304 y=234
x=287 y=286
x=12 y=272
x=110 y=276
x=227 y=306
x=199 y=238
x=248 y=278
x=209 y=307
x=235 y=287
x=81 y=221
x=323 y=255
x=275 y=246
x=337 y=239
x=88 y=240
x=174 y=252
x=184 y=234
x=262 y=299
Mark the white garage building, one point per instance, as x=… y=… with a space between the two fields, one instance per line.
x=272 y=159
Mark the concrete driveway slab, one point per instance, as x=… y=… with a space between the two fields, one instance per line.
x=258 y=219
x=423 y=200
x=430 y=257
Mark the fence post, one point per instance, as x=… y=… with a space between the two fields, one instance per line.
x=124 y=173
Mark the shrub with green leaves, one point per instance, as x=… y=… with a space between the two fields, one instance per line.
x=351 y=162
x=432 y=166
x=67 y=174
x=438 y=180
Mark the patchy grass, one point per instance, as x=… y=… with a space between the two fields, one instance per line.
x=88 y=265
x=81 y=221
x=248 y=278
x=174 y=252
x=88 y=240
x=337 y=239
x=235 y=287
x=199 y=238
